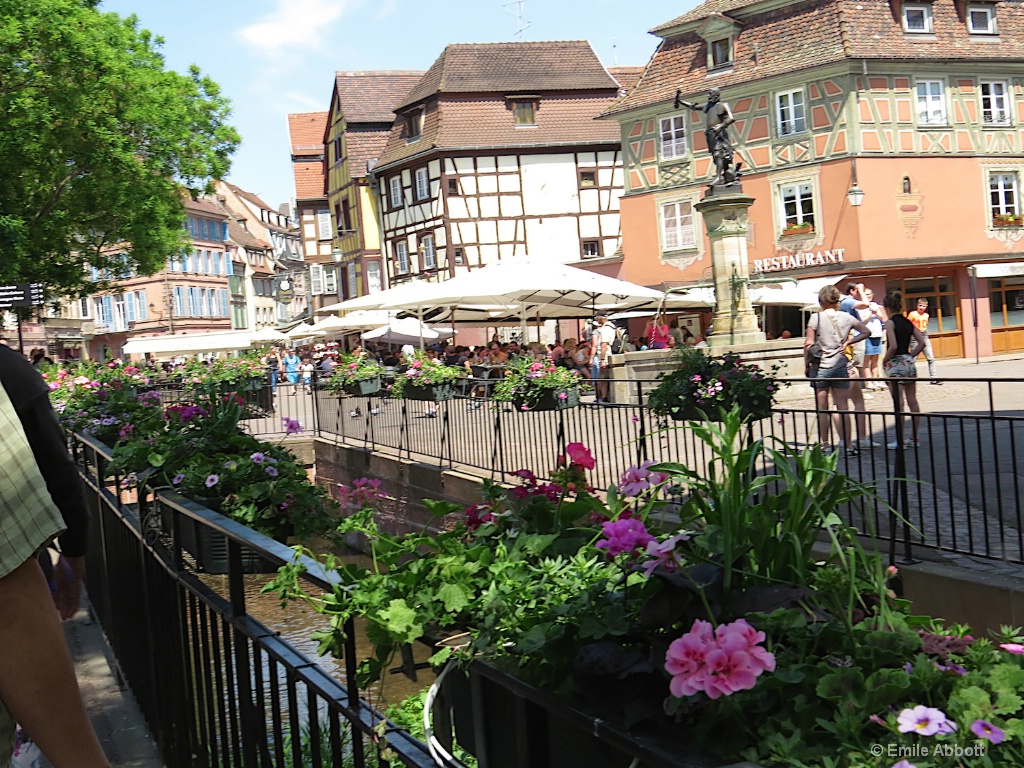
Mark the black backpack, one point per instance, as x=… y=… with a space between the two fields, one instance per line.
x=617 y=342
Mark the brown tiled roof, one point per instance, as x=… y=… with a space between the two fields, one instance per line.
x=361 y=147
x=254 y=199
x=243 y=237
x=205 y=207
x=627 y=77
x=787 y=39
x=476 y=122
x=562 y=65
x=309 y=180
x=702 y=11
x=801 y=35
x=306 y=130
x=370 y=97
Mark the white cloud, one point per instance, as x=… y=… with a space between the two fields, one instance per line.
x=299 y=23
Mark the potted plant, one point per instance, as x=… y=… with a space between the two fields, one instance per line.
x=1007 y=220
x=798 y=228
x=724 y=636
x=537 y=385
x=426 y=379
x=356 y=375
x=703 y=386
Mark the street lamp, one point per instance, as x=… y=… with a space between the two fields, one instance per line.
x=855 y=194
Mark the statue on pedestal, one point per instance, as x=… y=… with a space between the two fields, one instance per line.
x=718 y=118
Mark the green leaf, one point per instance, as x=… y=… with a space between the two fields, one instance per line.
x=843 y=684
x=454 y=596
x=440 y=508
x=400 y=621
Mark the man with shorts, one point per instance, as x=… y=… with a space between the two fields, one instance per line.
x=851 y=304
x=919 y=318
x=600 y=351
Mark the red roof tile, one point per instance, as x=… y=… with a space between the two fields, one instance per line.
x=805 y=33
x=306 y=130
x=627 y=77
x=205 y=207
x=370 y=97
x=508 y=67
x=309 y=180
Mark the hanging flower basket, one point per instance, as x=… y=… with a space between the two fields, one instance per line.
x=694 y=412
x=363 y=388
x=434 y=393
x=549 y=400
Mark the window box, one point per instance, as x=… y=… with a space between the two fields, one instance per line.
x=1008 y=220
x=798 y=229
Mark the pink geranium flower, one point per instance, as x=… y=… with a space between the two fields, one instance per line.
x=719 y=663
x=623 y=536
x=580 y=455
x=638 y=479
x=1013 y=648
x=663 y=553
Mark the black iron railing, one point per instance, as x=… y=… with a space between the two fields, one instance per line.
x=216 y=686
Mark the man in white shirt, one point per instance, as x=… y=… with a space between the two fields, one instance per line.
x=600 y=351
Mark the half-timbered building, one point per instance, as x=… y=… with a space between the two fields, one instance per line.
x=358 y=123
x=881 y=139
x=495 y=154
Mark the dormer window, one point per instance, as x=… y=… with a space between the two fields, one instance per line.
x=413 y=125
x=524 y=109
x=981 y=19
x=720 y=53
x=917 y=18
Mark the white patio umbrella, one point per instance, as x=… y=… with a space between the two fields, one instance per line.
x=303 y=331
x=407 y=330
x=800 y=293
x=331 y=325
x=357 y=320
x=267 y=335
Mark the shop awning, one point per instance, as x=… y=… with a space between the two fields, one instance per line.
x=1000 y=269
x=189 y=343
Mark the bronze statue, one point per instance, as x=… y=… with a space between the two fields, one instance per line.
x=718 y=118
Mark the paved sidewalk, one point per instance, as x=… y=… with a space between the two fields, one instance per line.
x=112 y=709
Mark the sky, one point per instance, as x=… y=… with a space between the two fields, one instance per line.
x=275 y=57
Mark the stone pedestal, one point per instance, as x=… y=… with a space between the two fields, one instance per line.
x=725 y=216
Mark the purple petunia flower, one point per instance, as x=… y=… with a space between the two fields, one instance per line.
x=291 y=426
x=177 y=479
x=985 y=730
x=925 y=721
x=257 y=458
x=212 y=480
x=272 y=471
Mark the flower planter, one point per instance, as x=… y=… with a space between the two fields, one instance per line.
x=797 y=231
x=693 y=412
x=209 y=547
x=434 y=393
x=549 y=400
x=508 y=723
x=363 y=388
x=1014 y=222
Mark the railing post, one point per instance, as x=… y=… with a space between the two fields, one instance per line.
x=900 y=498
x=641 y=440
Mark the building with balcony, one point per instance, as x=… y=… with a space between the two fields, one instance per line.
x=358 y=123
x=495 y=154
x=880 y=139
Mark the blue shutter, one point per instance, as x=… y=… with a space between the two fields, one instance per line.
x=129 y=307
x=143 y=307
x=224 y=231
x=202 y=229
x=108 y=310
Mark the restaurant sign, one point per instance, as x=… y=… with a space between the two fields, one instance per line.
x=809 y=260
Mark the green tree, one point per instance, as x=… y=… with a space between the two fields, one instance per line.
x=99 y=145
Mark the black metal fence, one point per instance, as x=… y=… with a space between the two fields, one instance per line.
x=958 y=488
x=216 y=686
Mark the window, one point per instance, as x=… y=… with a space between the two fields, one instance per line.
x=917 y=18
x=422 y=184
x=931 y=102
x=677 y=226
x=943 y=307
x=175 y=262
x=402 y=258
x=591 y=249
x=353 y=287
x=395 y=190
x=720 y=52
x=84 y=309
x=588 y=178
x=981 y=19
x=427 y=255
x=453 y=187
x=413 y=125
x=790 y=109
x=525 y=112
x=1003 y=194
x=202 y=229
x=179 y=301
x=797 y=205
x=217 y=262
x=459 y=256
x=995 y=106
x=316 y=279
x=673 y=137
x=323 y=225
x=190 y=225
x=345 y=221
x=373 y=284
x=330 y=280
x=1006 y=301
x=105 y=310
x=207 y=266
x=337 y=149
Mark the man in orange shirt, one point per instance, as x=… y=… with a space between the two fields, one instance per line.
x=920 y=319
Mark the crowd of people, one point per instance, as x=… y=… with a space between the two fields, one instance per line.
x=843 y=346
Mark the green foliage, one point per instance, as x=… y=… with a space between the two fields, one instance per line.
x=527 y=379
x=703 y=383
x=99 y=140
x=351 y=369
x=425 y=371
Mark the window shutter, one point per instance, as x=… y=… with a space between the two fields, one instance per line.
x=316 y=279
x=323 y=222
